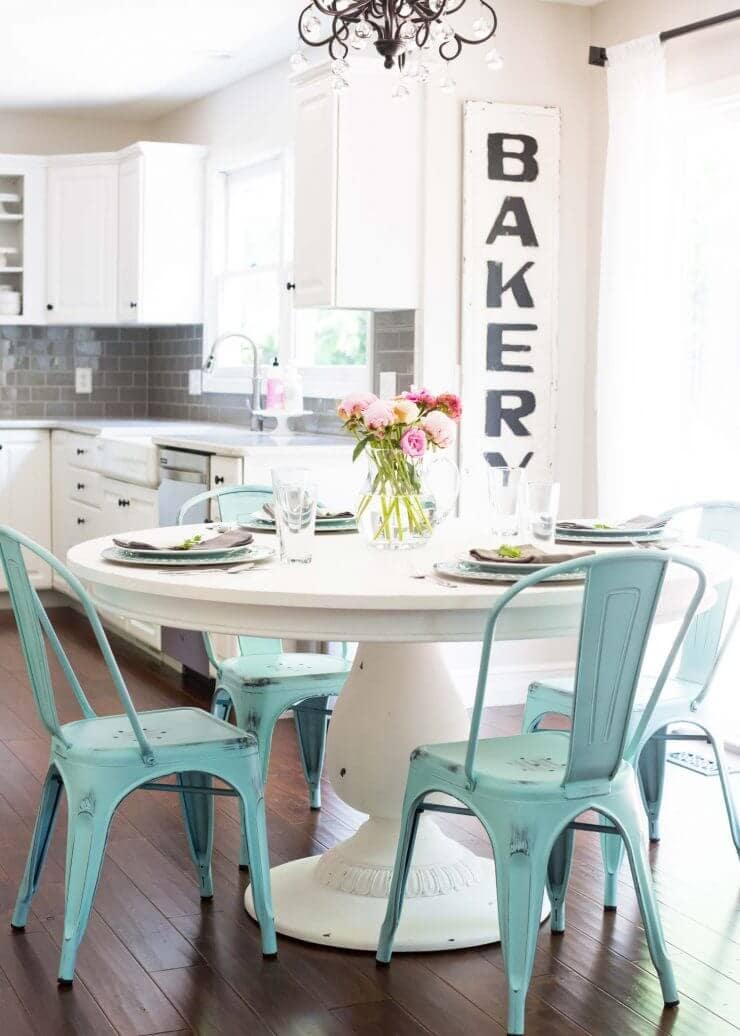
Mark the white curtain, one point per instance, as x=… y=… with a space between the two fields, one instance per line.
x=635 y=373
x=668 y=383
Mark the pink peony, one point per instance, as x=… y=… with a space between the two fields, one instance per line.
x=414 y=442
x=378 y=415
x=450 y=404
x=422 y=397
x=355 y=405
x=440 y=428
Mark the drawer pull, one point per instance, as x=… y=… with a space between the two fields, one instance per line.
x=81 y=521
x=80 y=452
x=80 y=485
x=219 y=480
x=124 y=503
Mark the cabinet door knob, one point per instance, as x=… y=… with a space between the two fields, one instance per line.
x=79 y=452
x=219 y=480
x=120 y=502
x=290 y=285
x=132 y=305
x=80 y=521
x=80 y=485
x=49 y=306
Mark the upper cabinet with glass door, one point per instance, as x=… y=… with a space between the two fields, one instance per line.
x=357 y=193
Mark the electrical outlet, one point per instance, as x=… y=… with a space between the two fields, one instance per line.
x=83 y=379
x=195 y=383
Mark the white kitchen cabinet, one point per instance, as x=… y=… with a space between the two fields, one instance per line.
x=82 y=240
x=25 y=486
x=357 y=193
x=127 y=507
x=160 y=234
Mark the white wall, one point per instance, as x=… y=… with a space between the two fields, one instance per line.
x=706 y=56
x=29 y=133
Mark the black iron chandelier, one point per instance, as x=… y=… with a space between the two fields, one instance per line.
x=398 y=29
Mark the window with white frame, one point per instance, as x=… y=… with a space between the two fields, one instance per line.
x=332 y=348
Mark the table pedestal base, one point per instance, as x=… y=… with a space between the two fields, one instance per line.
x=339 y=899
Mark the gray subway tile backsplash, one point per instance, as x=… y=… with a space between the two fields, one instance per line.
x=143 y=372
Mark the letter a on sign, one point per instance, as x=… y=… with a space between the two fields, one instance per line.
x=510 y=265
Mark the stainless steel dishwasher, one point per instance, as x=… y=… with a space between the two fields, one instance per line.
x=183 y=474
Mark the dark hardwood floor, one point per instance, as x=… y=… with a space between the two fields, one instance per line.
x=156 y=960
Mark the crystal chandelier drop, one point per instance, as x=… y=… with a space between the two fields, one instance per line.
x=398 y=29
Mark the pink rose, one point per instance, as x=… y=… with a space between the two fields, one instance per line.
x=378 y=415
x=355 y=405
x=450 y=404
x=440 y=429
x=414 y=442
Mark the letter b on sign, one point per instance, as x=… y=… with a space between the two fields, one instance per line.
x=512 y=149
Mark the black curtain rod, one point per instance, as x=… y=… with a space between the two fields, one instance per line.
x=598 y=56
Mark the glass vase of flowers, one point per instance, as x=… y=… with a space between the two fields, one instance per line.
x=399 y=438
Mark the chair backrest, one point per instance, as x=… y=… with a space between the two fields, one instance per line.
x=718 y=522
x=620 y=596
x=233 y=502
x=35 y=630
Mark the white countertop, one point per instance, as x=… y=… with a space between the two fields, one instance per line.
x=225 y=440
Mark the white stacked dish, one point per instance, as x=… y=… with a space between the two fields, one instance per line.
x=10 y=301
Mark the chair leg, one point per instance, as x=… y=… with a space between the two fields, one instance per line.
x=42 y=832
x=198 y=814
x=612 y=851
x=404 y=852
x=89 y=821
x=311 y=724
x=521 y=870
x=250 y=790
x=633 y=841
x=724 y=777
x=558 y=873
x=651 y=771
x=256 y=714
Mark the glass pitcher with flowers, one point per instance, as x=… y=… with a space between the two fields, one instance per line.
x=411 y=486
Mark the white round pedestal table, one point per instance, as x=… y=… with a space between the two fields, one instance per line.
x=399 y=695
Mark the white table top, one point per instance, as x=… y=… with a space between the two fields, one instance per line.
x=351 y=591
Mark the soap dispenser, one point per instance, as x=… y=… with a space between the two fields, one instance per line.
x=275 y=398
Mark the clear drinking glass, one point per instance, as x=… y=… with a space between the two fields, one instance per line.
x=294 y=499
x=543 y=502
x=505 y=487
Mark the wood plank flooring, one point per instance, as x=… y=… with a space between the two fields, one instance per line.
x=156 y=960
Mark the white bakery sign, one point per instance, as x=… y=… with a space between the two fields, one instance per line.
x=510 y=262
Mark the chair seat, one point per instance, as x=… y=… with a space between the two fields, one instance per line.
x=520 y=762
x=674 y=689
x=257 y=671
x=110 y=740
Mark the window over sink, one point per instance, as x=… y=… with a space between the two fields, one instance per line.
x=248 y=290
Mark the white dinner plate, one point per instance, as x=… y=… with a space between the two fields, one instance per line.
x=501 y=574
x=188 y=560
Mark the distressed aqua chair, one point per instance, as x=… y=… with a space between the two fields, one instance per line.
x=685 y=698
x=264 y=681
x=528 y=790
x=99 y=760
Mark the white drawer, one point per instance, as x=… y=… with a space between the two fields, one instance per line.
x=134 y=460
x=80 y=450
x=85 y=486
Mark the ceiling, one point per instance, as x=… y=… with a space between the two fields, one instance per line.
x=138 y=58
x=135 y=58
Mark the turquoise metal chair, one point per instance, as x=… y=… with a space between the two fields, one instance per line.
x=685 y=698
x=99 y=760
x=264 y=681
x=528 y=790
